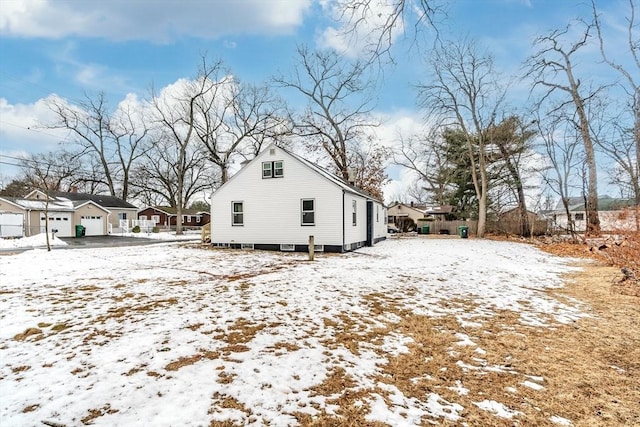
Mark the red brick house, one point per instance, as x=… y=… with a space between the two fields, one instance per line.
x=165 y=216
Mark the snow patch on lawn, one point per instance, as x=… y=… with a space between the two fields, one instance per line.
x=39 y=240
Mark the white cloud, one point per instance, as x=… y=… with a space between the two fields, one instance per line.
x=149 y=19
x=21 y=132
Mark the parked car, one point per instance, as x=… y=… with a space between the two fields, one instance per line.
x=391 y=229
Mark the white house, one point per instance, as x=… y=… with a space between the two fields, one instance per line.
x=615 y=214
x=279 y=199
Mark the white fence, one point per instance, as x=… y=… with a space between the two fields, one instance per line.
x=146 y=225
x=11 y=224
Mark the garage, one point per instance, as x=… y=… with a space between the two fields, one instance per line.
x=60 y=221
x=93 y=224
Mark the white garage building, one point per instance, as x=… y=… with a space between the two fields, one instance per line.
x=62 y=211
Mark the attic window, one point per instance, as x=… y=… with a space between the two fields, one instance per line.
x=273 y=169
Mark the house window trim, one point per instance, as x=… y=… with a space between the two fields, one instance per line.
x=302 y=212
x=234 y=213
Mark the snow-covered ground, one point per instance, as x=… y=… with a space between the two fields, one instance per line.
x=174 y=334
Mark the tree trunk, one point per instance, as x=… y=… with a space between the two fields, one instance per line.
x=593 y=220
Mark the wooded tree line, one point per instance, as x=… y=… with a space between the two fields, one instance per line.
x=477 y=151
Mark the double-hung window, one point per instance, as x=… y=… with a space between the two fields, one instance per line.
x=237 y=213
x=308 y=212
x=273 y=169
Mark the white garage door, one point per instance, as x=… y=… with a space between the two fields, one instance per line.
x=60 y=221
x=94 y=225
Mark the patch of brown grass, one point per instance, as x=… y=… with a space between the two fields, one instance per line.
x=96 y=413
x=190 y=360
x=241 y=332
x=35 y=333
x=30 y=408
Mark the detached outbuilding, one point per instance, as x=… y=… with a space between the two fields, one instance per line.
x=279 y=199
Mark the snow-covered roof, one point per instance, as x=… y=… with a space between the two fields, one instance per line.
x=41 y=205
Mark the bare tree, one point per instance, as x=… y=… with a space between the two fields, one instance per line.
x=237 y=118
x=548 y=67
x=177 y=115
x=379 y=23
x=112 y=140
x=427 y=156
x=52 y=171
x=465 y=93
x=337 y=120
x=155 y=178
x=564 y=153
x=627 y=143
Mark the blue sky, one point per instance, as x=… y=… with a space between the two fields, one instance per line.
x=71 y=47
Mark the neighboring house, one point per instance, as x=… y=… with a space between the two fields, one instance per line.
x=399 y=213
x=119 y=210
x=615 y=214
x=63 y=214
x=279 y=199
x=165 y=216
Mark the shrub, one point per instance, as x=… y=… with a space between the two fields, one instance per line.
x=136 y=229
x=155 y=230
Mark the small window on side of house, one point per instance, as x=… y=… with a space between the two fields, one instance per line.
x=237 y=212
x=273 y=169
x=308 y=212
x=579 y=217
x=354 y=212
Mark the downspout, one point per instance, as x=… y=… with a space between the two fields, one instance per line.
x=343 y=223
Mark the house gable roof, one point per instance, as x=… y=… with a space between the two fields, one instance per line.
x=315 y=168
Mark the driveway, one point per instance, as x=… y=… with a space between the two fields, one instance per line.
x=106 y=242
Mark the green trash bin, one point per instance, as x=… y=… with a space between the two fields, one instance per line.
x=463 y=231
x=80 y=230
x=425 y=229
